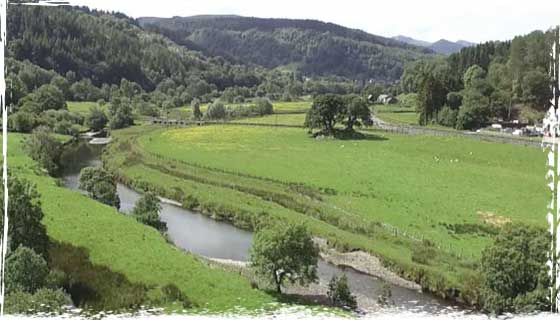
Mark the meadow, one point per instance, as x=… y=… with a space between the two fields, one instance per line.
x=395 y=196
x=138 y=253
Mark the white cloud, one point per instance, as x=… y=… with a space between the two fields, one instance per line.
x=431 y=20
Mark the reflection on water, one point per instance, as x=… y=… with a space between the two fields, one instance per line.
x=204 y=236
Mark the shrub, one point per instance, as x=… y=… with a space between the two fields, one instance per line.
x=216 y=111
x=146 y=211
x=423 y=254
x=447 y=117
x=43 y=147
x=44 y=300
x=25 y=271
x=96 y=119
x=22 y=122
x=100 y=185
x=339 y=293
x=263 y=106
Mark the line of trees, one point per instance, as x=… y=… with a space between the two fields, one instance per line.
x=490 y=81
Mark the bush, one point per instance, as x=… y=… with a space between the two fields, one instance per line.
x=454 y=100
x=409 y=100
x=216 y=111
x=22 y=122
x=339 y=293
x=423 y=254
x=146 y=211
x=43 y=147
x=25 y=271
x=100 y=185
x=447 y=117
x=515 y=273
x=96 y=119
x=263 y=106
x=44 y=300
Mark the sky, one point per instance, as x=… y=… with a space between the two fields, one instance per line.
x=429 y=20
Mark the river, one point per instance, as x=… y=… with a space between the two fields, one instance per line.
x=204 y=236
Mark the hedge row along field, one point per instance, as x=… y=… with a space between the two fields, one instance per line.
x=139 y=261
x=426 y=205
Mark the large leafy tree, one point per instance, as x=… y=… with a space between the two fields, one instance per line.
x=285 y=252
x=96 y=119
x=100 y=185
x=515 y=271
x=357 y=113
x=24 y=216
x=325 y=112
x=146 y=211
x=43 y=147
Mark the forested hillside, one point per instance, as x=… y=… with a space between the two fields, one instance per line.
x=312 y=47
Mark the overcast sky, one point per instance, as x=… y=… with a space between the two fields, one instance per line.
x=430 y=20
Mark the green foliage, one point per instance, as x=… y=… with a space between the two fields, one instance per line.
x=24 y=216
x=46 y=97
x=43 y=147
x=22 y=121
x=100 y=185
x=409 y=100
x=475 y=111
x=515 y=271
x=146 y=211
x=317 y=48
x=216 y=111
x=49 y=301
x=339 y=293
x=536 y=89
x=96 y=119
x=120 y=113
x=454 y=100
x=357 y=113
x=325 y=112
x=195 y=104
x=448 y=117
x=25 y=271
x=285 y=252
x=263 y=106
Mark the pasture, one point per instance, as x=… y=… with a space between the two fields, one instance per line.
x=140 y=253
x=388 y=194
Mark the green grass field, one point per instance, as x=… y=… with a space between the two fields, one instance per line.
x=138 y=252
x=291 y=108
x=83 y=108
x=427 y=187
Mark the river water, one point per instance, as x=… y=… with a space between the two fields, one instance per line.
x=202 y=235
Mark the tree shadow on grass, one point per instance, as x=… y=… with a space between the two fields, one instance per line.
x=349 y=135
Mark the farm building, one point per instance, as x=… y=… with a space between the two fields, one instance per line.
x=386 y=99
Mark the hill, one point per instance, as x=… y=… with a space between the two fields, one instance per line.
x=312 y=47
x=441 y=46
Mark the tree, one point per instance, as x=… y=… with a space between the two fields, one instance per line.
x=43 y=147
x=285 y=252
x=515 y=272
x=96 y=119
x=339 y=293
x=454 y=100
x=357 y=113
x=24 y=216
x=324 y=113
x=216 y=111
x=45 y=98
x=22 y=121
x=25 y=270
x=146 y=211
x=263 y=106
x=536 y=89
x=475 y=111
x=100 y=185
x=197 y=114
x=120 y=112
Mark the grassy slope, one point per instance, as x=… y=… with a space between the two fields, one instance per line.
x=125 y=246
x=411 y=182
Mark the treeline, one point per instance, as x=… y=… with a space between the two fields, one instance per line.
x=488 y=82
x=316 y=48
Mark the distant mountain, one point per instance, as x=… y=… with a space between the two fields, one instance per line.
x=310 y=47
x=412 y=41
x=442 y=46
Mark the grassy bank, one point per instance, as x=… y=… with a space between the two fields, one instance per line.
x=116 y=243
x=426 y=205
